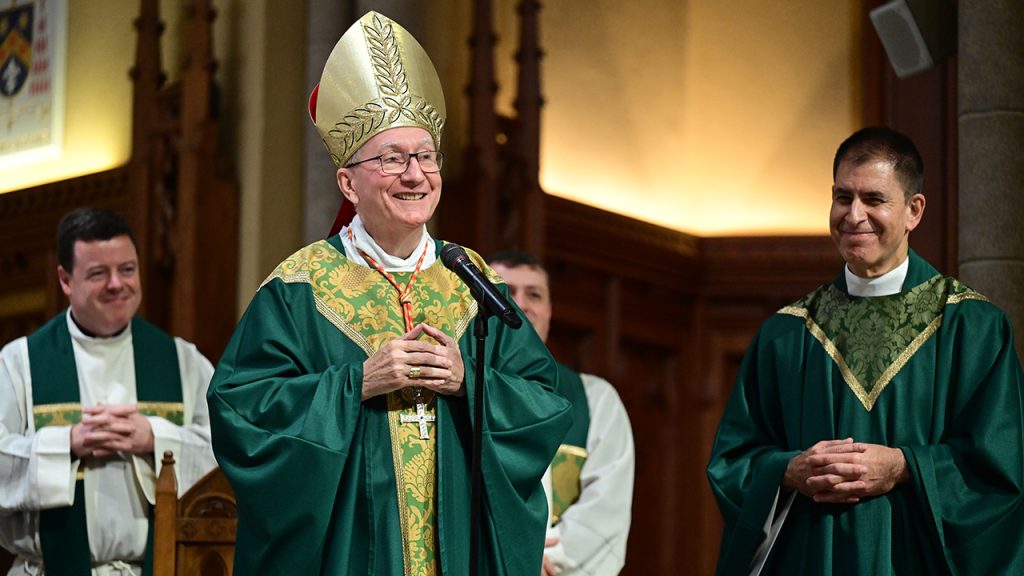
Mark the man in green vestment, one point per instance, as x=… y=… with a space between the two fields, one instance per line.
x=876 y=424
x=340 y=409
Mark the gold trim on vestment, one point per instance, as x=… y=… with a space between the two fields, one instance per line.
x=161 y=409
x=287 y=278
x=573 y=450
x=902 y=360
x=394 y=421
x=59 y=414
x=566 y=468
x=958 y=298
x=867 y=398
x=62 y=407
x=418 y=518
x=354 y=335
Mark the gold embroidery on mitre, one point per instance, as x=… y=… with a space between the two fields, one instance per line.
x=377 y=77
x=944 y=292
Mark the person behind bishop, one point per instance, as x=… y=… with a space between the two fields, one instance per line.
x=589 y=484
x=875 y=426
x=341 y=407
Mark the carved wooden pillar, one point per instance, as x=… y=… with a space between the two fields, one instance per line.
x=525 y=153
x=206 y=220
x=197 y=80
x=148 y=80
x=184 y=201
x=472 y=215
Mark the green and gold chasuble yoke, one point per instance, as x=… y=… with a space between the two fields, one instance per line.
x=871 y=339
x=364 y=306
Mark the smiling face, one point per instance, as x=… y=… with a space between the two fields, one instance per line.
x=528 y=286
x=871 y=218
x=103 y=285
x=392 y=207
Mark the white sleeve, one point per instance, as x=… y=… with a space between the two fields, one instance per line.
x=593 y=531
x=190 y=443
x=36 y=468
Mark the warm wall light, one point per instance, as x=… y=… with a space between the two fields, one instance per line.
x=98 y=106
x=706 y=117
x=97 y=159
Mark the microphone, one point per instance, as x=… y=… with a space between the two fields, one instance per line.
x=455 y=259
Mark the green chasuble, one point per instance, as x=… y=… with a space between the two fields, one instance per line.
x=314 y=467
x=568 y=462
x=931 y=371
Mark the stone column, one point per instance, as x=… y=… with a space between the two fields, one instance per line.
x=991 y=144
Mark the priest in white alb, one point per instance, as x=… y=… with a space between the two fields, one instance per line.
x=86 y=404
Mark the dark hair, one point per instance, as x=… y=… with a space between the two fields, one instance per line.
x=887 y=145
x=87 y=225
x=516 y=258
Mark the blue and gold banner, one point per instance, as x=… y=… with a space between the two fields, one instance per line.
x=16 y=27
x=32 y=40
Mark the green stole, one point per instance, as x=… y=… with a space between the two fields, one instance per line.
x=568 y=461
x=63 y=532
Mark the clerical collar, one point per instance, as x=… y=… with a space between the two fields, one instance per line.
x=361 y=240
x=889 y=283
x=77 y=329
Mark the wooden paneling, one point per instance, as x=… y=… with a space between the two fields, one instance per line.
x=176 y=192
x=666 y=318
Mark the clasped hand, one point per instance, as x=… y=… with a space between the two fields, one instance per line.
x=108 y=429
x=844 y=471
x=439 y=366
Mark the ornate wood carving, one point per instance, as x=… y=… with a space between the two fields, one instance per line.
x=521 y=194
x=469 y=215
x=206 y=225
x=666 y=317
x=196 y=533
x=177 y=193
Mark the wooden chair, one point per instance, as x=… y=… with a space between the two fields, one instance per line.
x=194 y=536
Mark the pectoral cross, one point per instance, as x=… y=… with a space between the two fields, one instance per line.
x=421 y=417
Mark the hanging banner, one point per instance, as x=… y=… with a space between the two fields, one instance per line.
x=32 y=55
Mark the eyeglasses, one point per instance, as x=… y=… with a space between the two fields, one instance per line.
x=398 y=162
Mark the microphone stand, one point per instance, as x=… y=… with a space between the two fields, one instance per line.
x=476 y=474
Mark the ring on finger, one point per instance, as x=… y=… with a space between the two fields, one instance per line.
x=415 y=372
